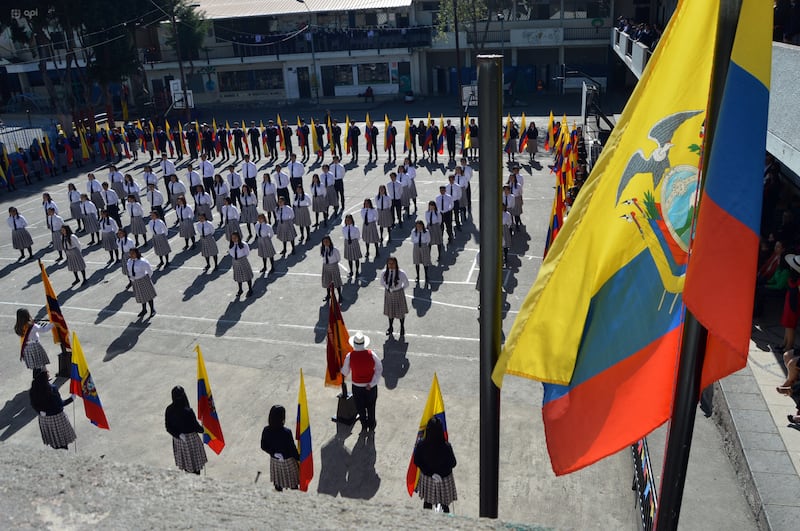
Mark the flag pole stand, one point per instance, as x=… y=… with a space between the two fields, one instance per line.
x=64 y=362
x=695 y=336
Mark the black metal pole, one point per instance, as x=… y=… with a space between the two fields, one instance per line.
x=458 y=65
x=187 y=112
x=490 y=109
x=693 y=342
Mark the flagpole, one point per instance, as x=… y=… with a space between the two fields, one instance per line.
x=694 y=339
x=490 y=106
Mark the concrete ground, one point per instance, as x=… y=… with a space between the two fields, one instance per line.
x=254 y=349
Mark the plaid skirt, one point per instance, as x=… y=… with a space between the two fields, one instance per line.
x=319 y=203
x=511 y=146
x=265 y=247
x=161 y=245
x=435 y=230
x=205 y=209
x=143 y=289
x=75 y=260
x=242 y=270
x=410 y=189
x=35 y=356
x=75 y=210
x=385 y=217
x=97 y=199
x=437 y=492
x=109 y=240
x=56 y=430
x=405 y=197
x=516 y=210
x=506 y=236
x=284 y=473
x=302 y=217
x=331 y=274
x=394 y=304
x=370 y=233
x=352 y=249
x=91 y=223
x=118 y=187
x=58 y=245
x=286 y=231
x=221 y=202
x=137 y=226
x=232 y=226
x=249 y=214
x=333 y=197
x=422 y=255
x=189 y=454
x=208 y=246
x=186 y=229
x=269 y=203
x=21 y=239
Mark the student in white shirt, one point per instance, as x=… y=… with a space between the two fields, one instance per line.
x=221 y=192
x=74 y=198
x=383 y=204
x=269 y=200
x=72 y=246
x=369 y=217
x=111 y=200
x=193 y=177
x=175 y=189
x=302 y=217
x=185 y=217
x=282 y=183
x=249 y=209
x=137 y=227
x=140 y=273
x=208 y=245
x=284 y=217
x=203 y=203
x=394 y=282
x=455 y=191
x=20 y=237
x=250 y=174
x=124 y=245
x=160 y=241
x=507 y=222
x=421 y=254
x=266 y=251
x=433 y=219
x=331 y=276
x=156 y=200
x=54 y=223
x=230 y=217
x=410 y=184
x=167 y=170
x=108 y=236
x=328 y=180
x=352 y=245
x=319 y=200
x=338 y=174
x=129 y=187
x=234 y=185
x=242 y=270
x=90 y=221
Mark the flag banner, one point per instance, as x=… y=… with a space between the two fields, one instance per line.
x=331 y=144
x=303 y=435
x=440 y=140
x=347 y=138
x=71 y=155
x=60 y=328
x=262 y=135
x=170 y=138
x=281 y=139
x=434 y=407
x=301 y=136
x=728 y=221
x=606 y=310
x=230 y=136
x=315 y=140
x=82 y=385
x=368 y=133
x=388 y=138
x=181 y=138
x=244 y=138
x=338 y=345
x=507 y=135
x=548 y=142
x=466 y=139
x=523 y=134
x=206 y=410
x=428 y=134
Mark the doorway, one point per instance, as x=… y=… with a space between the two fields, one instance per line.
x=304 y=82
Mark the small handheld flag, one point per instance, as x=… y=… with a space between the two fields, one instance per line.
x=303 y=436
x=82 y=385
x=206 y=411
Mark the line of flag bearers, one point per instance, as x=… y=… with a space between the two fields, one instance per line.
x=291 y=460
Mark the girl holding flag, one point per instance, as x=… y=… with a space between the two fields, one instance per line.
x=277 y=441
x=31 y=350
x=54 y=425
x=435 y=460
x=181 y=422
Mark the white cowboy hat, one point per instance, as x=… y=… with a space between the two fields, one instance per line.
x=359 y=341
x=794 y=261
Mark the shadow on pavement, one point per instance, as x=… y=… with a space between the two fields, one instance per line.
x=127 y=339
x=395 y=362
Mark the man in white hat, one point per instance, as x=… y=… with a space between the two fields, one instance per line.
x=367 y=370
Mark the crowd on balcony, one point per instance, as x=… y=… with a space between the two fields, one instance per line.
x=644 y=33
x=786 y=22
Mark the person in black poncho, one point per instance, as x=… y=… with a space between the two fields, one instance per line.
x=278 y=442
x=435 y=459
x=181 y=423
x=46 y=401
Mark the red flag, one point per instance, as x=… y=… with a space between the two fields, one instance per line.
x=338 y=342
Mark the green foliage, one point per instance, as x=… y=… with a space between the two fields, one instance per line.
x=651 y=211
x=694 y=148
x=192 y=28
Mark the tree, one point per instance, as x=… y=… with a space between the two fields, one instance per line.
x=192 y=28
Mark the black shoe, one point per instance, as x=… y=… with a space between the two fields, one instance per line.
x=249 y=293
x=389 y=331
x=142 y=313
x=152 y=313
x=238 y=293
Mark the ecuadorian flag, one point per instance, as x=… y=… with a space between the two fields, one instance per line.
x=602 y=324
x=434 y=407
x=60 y=328
x=81 y=384
x=303 y=436
x=206 y=410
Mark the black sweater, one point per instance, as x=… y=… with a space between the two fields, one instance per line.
x=179 y=420
x=279 y=441
x=438 y=459
x=46 y=398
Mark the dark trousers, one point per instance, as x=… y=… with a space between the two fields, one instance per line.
x=354 y=149
x=192 y=150
x=414 y=149
x=208 y=186
x=451 y=149
x=273 y=148
x=235 y=195
x=294 y=182
x=397 y=211
x=208 y=149
x=178 y=149
x=365 y=404
x=338 y=143
x=338 y=185
x=238 y=148
x=457 y=212
x=447 y=221
x=113 y=213
x=256 y=147
x=224 y=152
x=251 y=183
x=468 y=197
x=392 y=151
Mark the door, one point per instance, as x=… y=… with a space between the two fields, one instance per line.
x=328 y=81
x=304 y=82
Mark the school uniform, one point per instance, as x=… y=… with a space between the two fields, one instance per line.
x=463 y=182
x=54 y=425
x=74 y=198
x=405 y=196
x=230 y=217
x=250 y=174
x=455 y=192
x=338 y=172
x=187 y=446
x=328 y=180
x=220 y=194
x=282 y=183
x=175 y=189
x=124 y=245
x=31 y=351
x=395 y=191
x=302 y=217
x=284 y=217
x=136 y=213
x=140 y=272
x=72 y=247
x=516 y=190
x=202 y=205
x=185 y=221
x=242 y=270
x=319 y=198
x=444 y=204
x=433 y=222
x=131 y=188
x=264 y=236
x=208 y=245
x=410 y=188
x=394 y=298
x=507 y=221
x=207 y=170
x=89 y=217
x=330 y=268
x=55 y=222
x=150 y=178
x=296 y=171
x=234 y=186
x=20 y=237
x=383 y=204
x=194 y=180
x=111 y=199
x=93 y=189
x=370 y=227
x=156 y=202
x=47 y=205
x=160 y=241
x=115 y=181
x=269 y=200
x=352 y=245
x=421 y=254
x=108 y=234
x=249 y=209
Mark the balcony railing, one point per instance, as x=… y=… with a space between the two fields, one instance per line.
x=585 y=34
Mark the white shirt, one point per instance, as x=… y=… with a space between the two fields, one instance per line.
x=444 y=203
x=221 y=189
x=281 y=180
x=284 y=213
x=337 y=170
x=520 y=178
x=207 y=168
x=92 y=186
x=46 y=205
x=125 y=245
x=194 y=179
x=249 y=170
x=229 y=213
x=327 y=179
x=318 y=190
x=411 y=172
x=432 y=218
x=369 y=215
x=350 y=232
x=238 y=252
x=296 y=169
x=302 y=201
x=157 y=226
x=330 y=256
x=516 y=189
x=467 y=172
x=33 y=336
x=267 y=189
x=234 y=180
x=131 y=188
x=139 y=268
x=264 y=230
x=382 y=202
x=150 y=178
x=184 y=213
x=249 y=199
x=74 y=196
x=167 y=167
x=110 y=197
x=55 y=222
x=395 y=189
x=18 y=222
x=389 y=284
x=203 y=198
x=454 y=191
x=420 y=238
x=155 y=198
x=108 y=225
x=88 y=208
x=74 y=243
x=176 y=188
x=204 y=228
x=135 y=209
x=115 y=177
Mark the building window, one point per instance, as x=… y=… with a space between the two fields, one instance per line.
x=267 y=79
x=343 y=75
x=373 y=73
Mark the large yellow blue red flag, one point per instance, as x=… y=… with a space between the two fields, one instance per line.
x=81 y=384
x=442 y=133
x=60 y=328
x=549 y=140
x=303 y=436
x=206 y=409
x=466 y=141
x=281 y=139
x=602 y=324
x=434 y=407
x=368 y=133
x=316 y=147
x=338 y=342
x=728 y=221
x=388 y=139
x=408 y=141
x=523 y=134
x=347 y=138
